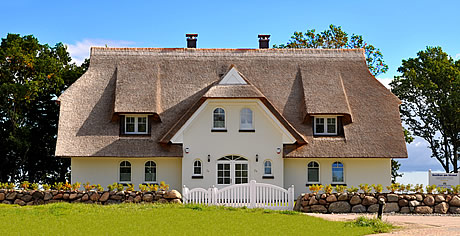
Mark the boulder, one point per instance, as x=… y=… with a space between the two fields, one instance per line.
x=306 y=209
x=173 y=194
x=2 y=196
x=423 y=210
x=318 y=209
x=6 y=202
x=137 y=199
x=303 y=203
x=11 y=196
x=94 y=197
x=30 y=203
x=455 y=201
x=65 y=196
x=19 y=202
x=339 y=207
x=419 y=197
x=368 y=200
x=454 y=210
x=73 y=196
x=373 y=208
x=391 y=197
x=37 y=195
x=404 y=210
x=39 y=202
x=85 y=197
x=355 y=200
x=48 y=196
x=313 y=201
x=175 y=201
x=358 y=209
x=439 y=198
x=343 y=197
x=323 y=196
x=116 y=197
x=298 y=204
x=441 y=208
x=403 y=202
x=331 y=198
x=147 y=197
x=429 y=200
x=163 y=200
x=414 y=203
x=391 y=207
x=110 y=201
x=322 y=202
x=448 y=198
x=58 y=196
x=26 y=198
x=105 y=196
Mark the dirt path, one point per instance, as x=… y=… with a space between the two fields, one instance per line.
x=411 y=224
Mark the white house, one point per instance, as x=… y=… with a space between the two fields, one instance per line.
x=204 y=117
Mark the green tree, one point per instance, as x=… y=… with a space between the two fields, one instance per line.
x=335 y=37
x=32 y=76
x=429 y=88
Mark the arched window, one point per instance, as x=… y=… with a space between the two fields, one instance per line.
x=150 y=172
x=337 y=172
x=197 y=168
x=246 y=119
x=125 y=171
x=268 y=167
x=313 y=172
x=218 y=118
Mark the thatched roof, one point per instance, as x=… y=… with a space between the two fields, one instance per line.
x=171 y=83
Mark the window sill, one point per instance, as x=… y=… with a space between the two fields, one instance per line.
x=219 y=130
x=125 y=183
x=145 y=183
x=135 y=135
x=310 y=184
x=247 y=130
x=338 y=184
x=197 y=176
x=268 y=177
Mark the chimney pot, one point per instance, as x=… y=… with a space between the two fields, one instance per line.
x=264 y=40
x=191 y=40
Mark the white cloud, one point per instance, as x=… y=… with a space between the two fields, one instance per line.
x=385 y=81
x=457 y=56
x=80 y=50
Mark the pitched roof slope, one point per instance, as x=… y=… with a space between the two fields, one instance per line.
x=179 y=78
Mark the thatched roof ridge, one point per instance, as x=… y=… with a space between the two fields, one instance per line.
x=169 y=82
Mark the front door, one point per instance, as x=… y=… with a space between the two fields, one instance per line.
x=232 y=170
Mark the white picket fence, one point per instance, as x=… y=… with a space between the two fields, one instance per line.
x=251 y=195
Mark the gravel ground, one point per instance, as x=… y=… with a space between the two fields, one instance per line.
x=446 y=225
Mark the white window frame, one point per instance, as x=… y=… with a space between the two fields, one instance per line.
x=136 y=124
x=343 y=173
x=252 y=119
x=232 y=169
x=225 y=119
x=156 y=172
x=131 y=172
x=271 y=168
x=319 y=173
x=201 y=167
x=325 y=125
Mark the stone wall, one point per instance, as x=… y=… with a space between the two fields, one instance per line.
x=32 y=197
x=361 y=203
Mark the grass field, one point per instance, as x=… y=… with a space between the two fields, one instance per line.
x=153 y=219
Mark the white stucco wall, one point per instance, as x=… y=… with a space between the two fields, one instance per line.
x=356 y=171
x=105 y=171
x=201 y=142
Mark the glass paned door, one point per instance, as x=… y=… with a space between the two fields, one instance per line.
x=223 y=173
x=232 y=170
x=241 y=173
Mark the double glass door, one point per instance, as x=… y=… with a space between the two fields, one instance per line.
x=232 y=170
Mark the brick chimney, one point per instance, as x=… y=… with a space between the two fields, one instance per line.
x=191 y=40
x=264 y=40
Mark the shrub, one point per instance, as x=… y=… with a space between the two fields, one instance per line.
x=99 y=188
x=3 y=185
x=67 y=186
x=143 y=187
x=340 y=188
x=365 y=188
x=24 y=185
x=409 y=188
x=328 y=189
x=10 y=186
x=163 y=186
x=58 y=186
x=393 y=187
x=441 y=190
x=88 y=187
x=377 y=188
x=378 y=226
x=120 y=187
x=112 y=187
x=418 y=188
x=76 y=186
x=130 y=187
x=430 y=188
x=315 y=188
x=34 y=186
x=352 y=189
x=46 y=187
x=456 y=189
x=152 y=187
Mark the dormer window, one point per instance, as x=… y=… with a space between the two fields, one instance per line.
x=136 y=124
x=218 y=120
x=325 y=125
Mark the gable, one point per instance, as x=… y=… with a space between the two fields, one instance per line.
x=232 y=77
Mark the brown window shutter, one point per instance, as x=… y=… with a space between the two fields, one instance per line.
x=122 y=124
x=340 y=126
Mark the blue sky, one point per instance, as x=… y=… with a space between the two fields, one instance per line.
x=399 y=28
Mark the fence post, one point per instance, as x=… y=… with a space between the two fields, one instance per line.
x=291 y=197
x=252 y=194
x=184 y=194
x=213 y=196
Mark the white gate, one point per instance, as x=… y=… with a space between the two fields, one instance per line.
x=251 y=195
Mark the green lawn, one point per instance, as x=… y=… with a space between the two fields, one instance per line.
x=153 y=219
